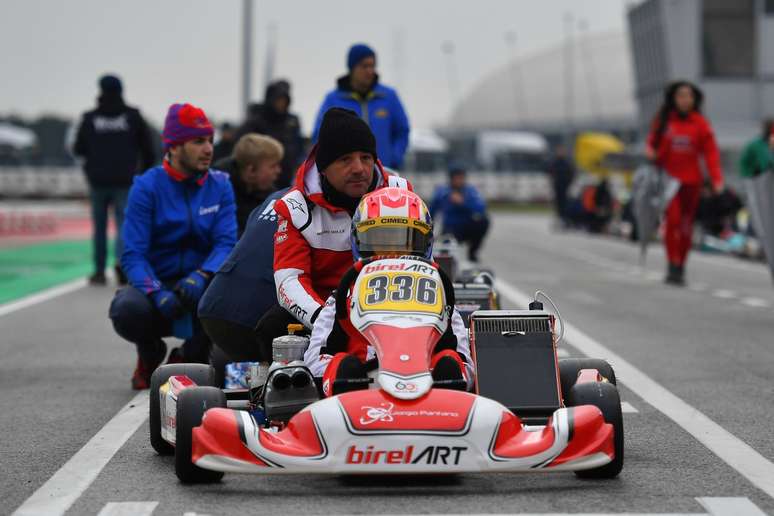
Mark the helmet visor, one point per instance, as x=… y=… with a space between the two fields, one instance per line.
x=408 y=237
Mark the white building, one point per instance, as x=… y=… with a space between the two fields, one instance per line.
x=725 y=46
x=588 y=84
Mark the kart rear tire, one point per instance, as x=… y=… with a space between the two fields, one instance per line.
x=603 y=395
x=201 y=374
x=570 y=367
x=192 y=403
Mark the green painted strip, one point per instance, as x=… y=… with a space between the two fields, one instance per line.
x=31 y=268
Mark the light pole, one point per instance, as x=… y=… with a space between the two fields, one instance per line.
x=247 y=53
x=451 y=71
x=519 y=101
x=271 y=52
x=588 y=68
x=569 y=74
x=399 y=56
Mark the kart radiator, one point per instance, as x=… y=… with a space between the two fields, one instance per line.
x=516 y=361
x=513 y=324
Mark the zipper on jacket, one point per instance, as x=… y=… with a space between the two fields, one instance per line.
x=364 y=110
x=190 y=224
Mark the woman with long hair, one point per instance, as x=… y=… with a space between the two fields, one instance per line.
x=678 y=138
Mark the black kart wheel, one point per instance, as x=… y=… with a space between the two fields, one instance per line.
x=192 y=403
x=201 y=374
x=603 y=395
x=570 y=367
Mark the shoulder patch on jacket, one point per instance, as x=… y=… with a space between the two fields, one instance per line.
x=298 y=208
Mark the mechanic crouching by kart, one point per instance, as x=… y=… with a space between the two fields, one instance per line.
x=311 y=246
x=336 y=349
x=180 y=225
x=463 y=210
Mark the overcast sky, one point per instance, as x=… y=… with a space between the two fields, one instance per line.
x=189 y=50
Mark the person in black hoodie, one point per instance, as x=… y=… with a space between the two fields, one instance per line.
x=273 y=118
x=116 y=144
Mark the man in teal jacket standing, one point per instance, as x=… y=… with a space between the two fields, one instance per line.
x=378 y=105
x=179 y=227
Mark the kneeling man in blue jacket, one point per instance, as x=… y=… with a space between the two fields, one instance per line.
x=463 y=210
x=179 y=226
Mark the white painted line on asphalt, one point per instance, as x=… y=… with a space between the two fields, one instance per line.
x=584 y=297
x=128 y=509
x=558 y=514
x=732 y=506
x=43 y=296
x=732 y=450
x=66 y=485
x=628 y=408
x=724 y=294
x=756 y=302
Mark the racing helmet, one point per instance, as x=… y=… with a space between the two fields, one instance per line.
x=392 y=221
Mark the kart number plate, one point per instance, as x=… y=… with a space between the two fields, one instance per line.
x=406 y=292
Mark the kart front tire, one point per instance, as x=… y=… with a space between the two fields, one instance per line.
x=201 y=374
x=603 y=395
x=192 y=403
x=570 y=367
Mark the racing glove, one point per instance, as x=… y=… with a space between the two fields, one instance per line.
x=168 y=304
x=191 y=288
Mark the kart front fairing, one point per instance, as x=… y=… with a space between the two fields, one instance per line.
x=406 y=425
x=371 y=432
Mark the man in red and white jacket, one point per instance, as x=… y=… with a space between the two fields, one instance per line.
x=312 y=248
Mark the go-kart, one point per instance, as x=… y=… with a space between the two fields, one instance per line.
x=527 y=411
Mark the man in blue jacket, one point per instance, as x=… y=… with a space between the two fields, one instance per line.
x=180 y=225
x=463 y=211
x=378 y=105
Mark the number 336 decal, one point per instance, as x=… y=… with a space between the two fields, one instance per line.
x=403 y=292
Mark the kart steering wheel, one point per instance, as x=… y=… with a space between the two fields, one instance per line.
x=351 y=274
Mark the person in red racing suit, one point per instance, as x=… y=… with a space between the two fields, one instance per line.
x=679 y=137
x=311 y=244
x=336 y=348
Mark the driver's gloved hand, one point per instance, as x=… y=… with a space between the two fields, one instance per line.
x=168 y=304
x=191 y=288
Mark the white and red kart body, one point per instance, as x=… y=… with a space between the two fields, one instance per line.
x=404 y=424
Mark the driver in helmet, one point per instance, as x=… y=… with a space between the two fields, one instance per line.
x=336 y=348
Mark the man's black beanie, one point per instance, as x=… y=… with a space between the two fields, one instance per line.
x=342 y=132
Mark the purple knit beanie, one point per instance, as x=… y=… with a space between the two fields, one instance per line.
x=185 y=122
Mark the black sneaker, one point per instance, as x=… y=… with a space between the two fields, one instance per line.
x=120 y=276
x=675 y=276
x=98 y=278
x=176 y=356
